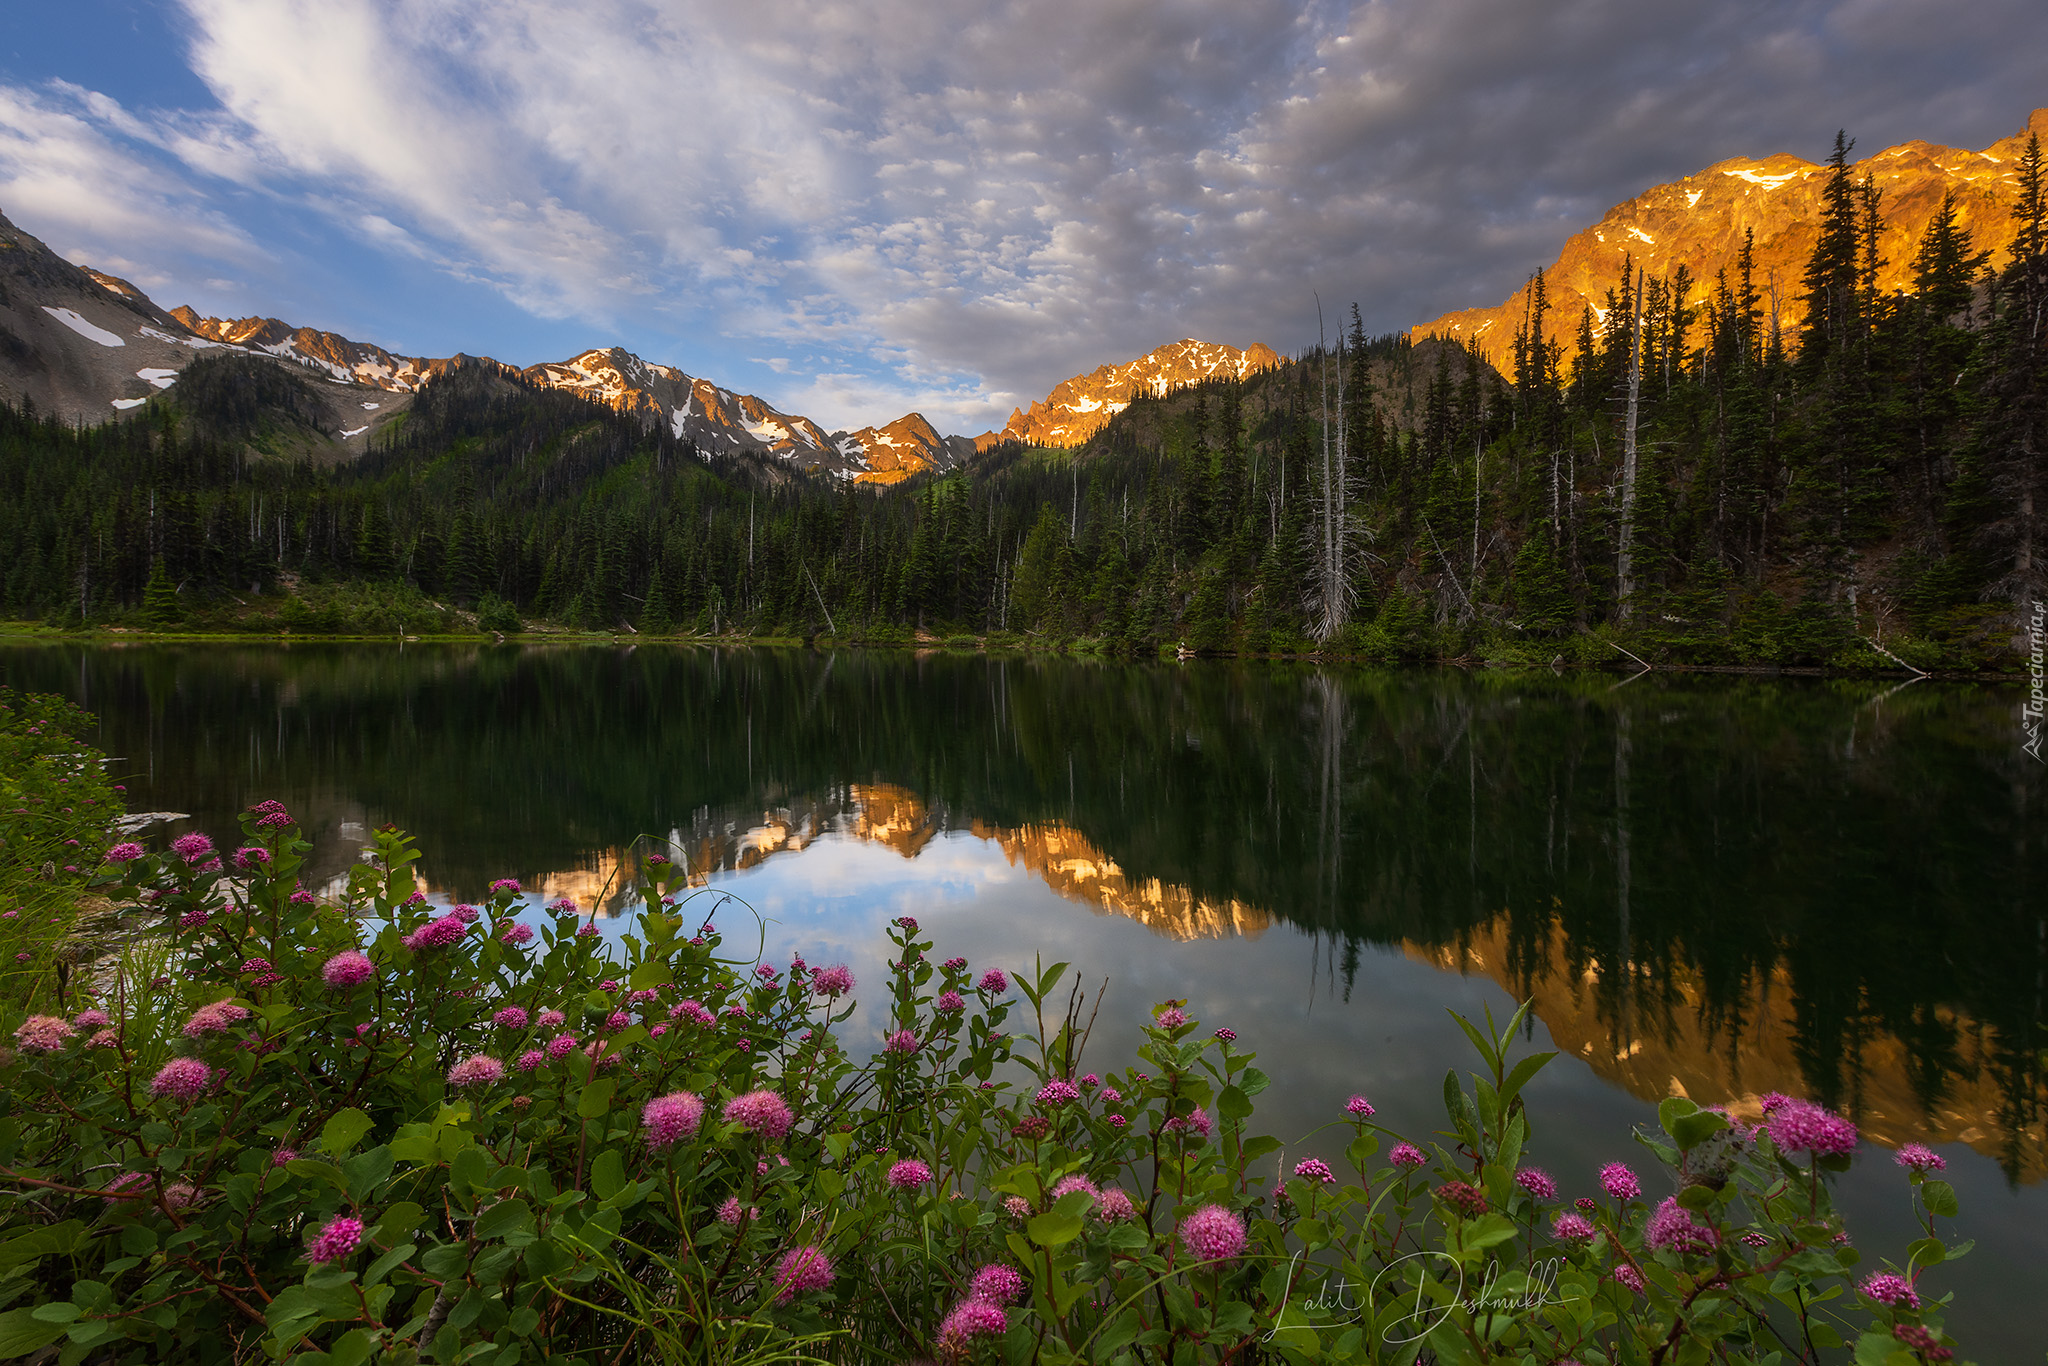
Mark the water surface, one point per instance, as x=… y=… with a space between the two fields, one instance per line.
x=1711 y=886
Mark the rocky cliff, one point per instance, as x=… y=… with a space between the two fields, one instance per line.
x=1077 y=408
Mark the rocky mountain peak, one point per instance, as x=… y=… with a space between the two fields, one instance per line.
x=1078 y=408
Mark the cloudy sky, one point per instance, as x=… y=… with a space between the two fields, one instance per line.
x=858 y=208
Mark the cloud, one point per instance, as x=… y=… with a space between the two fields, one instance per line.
x=956 y=214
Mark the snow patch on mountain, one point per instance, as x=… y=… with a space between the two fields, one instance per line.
x=74 y=320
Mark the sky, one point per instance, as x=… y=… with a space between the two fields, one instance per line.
x=859 y=209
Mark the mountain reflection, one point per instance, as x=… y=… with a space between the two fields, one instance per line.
x=1825 y=887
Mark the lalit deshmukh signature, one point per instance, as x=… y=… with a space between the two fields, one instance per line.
x=1338 y=1297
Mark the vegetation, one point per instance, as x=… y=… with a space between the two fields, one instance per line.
x=1693 y=487
x=379 y=1130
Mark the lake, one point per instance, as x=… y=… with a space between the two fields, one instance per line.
x=1713 y=886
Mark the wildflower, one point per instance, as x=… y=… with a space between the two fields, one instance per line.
x=1468 y=1200
x=954 y=965
x=1316 y=1170
x=1116 y=1121
x=730 y=1213
x=478 y=1069
x=1626 y=1275
x=759 y=1112
x=1067 y=1185
x=1619 y=1182
x=1585 y=1204
x=804 y=1268
x=1773 y=1101
x=1213 y=1234
x=1673 y=1229
x=693 y=1012
x=671 y=1117
x=284 y=1155
x=90 y=1019
x=1195 y=1122
x=193 y=919
x=511 y=1017
x=275 y=820
x=659 y=1031
x=1090 y=1082
x=1916 y=1157
x=192 y=847
x=435 y=934
x=1016 y=1206
x=252 y=856
x=996 y=1283
x=1572 y=1228
x=1537 y=1183
x=301 y=897
x=1110 y=1095
x=181 y=1079
x=531 y=1059
x=106 y=1038
x=909 y=1174
x=1113 y=1206
x=505 y=884
x=337 y=1240
x=1171 y=1018
x=1358 y=1107
x=517 y=933
x=587 y=930
x=216 y=1018
x=562 y=906
x=349 y=968
x=902 y=1041
x=1801 y=1126
x=993 y=982
x=1755 y=1239
x=1058 y=1092
x=1896 y=1292
x=562 y=1045
x=551 y=1019
x=1922 y=1341
x=949 y=1003
x=907 y=922
x=43 y=1033
x=617 y=1020
x=971 y=1319
x=125 y=852
x=181 y=1195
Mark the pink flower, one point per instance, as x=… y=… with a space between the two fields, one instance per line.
x=1463 y=1197
x=1358 y=1107
x=1619 y=1182
x=1016 y=1206
x=125 y=852
x=192 y=847
x=1110 y=1095
x=1801 y=1126
x=1316 y=1170
x=252 y=856
x=217 y=1018
x=562 y=906
x=971 y=1319
x=194 y=918
x=516 y=933
x=531 y=1059
x=505 y=884
x=479 y=1069
x=181 y=1079
x=562 y=1045
x=617 y=1020
x=1893 y=1291
x=902 y=1041
x=671 y=1117
x=949 y=1003
x=90 y=1019
x=996 y=1283
x=730 y=1212
x=1057 y=1092
x=1916 y=1157
x=694 y=1012
x=1572 y=1228
x=993 y=982
x=284 y=1155
x=803 y=1268
x=1113 y=1206
x=1172 y=1018
x=43 y=1033
x=759 y=1112
x=511 y=1017
x=435 y=934
x=1673 y=1229
x=588 y=930
x=105 y=1038
x=1067 y=1185
x=349 y=968
x=1196 y=1123
x=1626 y=1275
x=1227 y=1035
x=909 y=1174
x=1213 y=1234
x=337 y=1240
x=1537 y=1183
x=550 y=1019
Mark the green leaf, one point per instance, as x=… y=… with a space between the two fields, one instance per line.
x=1258 y=1146
x=398 y=1221
x=21 y=1332
x=366 y=1171
x=1692 y=1130
x=1928 y=1252
x=608 y=1174
x=1940 y=1199
x=1696 y=1198
x=382 y=1267
x=1671 y=1110
x=353 y=1349
x=58 y=1311
x=505 y=1217
x=836 y=1146
x=1253 y=1081
x=1524 y=1070
x=343 y=1130
x=1053 y=1229
x=312 y=1169
x=596 y=1098
x=1233 y=1104
x=1479 y=1041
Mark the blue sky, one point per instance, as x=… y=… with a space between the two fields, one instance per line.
x=857 y=209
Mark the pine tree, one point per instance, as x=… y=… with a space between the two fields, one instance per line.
x=160 y=606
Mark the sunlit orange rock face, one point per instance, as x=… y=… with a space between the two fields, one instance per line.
x=1662 y=1039
x=1072 y=866
x=1078 y=408
x=1699 y=222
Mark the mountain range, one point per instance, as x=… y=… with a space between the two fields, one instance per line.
x=89 y=345
x=1700 y=222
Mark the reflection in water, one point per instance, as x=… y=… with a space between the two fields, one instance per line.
x=1822 y=887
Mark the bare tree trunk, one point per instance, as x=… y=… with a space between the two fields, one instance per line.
x=1624 y=576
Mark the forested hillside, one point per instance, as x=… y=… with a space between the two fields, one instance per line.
x=1691 y=487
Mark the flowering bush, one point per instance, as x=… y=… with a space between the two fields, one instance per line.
x=378 y=1130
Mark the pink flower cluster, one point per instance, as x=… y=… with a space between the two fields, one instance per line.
x=1572 y=1228
x=43 y=1033
x=511 y=1017
x=759 y=1112
x=1315 y=1170
x=1673 y=1229
x=125 y=852
x=1358 y=1107
x=993 y=982
x=479 y=1069
x=1213 y=1234
x=909 y=1174
x=436 y=934
x=181 y=1079
x=901 y=1042
x=1407 y=1156
x=803 y=1268
x=1619 y=1182
x=1915 y=1157
x=1800 y=1126
x=336 y=1241
x=1058 y=1092
x=349 y=968
x=694 y=1012
x=1537 y=1183
x=672 y=1117
x=216 y=1018
x=1893 y=1291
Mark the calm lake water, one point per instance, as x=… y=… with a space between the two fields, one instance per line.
x=1707 y=885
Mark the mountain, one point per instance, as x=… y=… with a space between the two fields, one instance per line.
x=1699 y=222
x=909 y=445
x=1077 y=408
